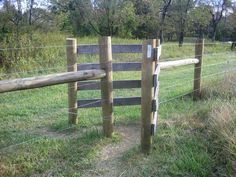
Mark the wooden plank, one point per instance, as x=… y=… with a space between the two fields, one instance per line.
x=148 y=68
x=136 y=66
x=91 y=103
x=127 y=48
x=72 y=86
x=120 y=84
x=154 y=123
x=48 y=80
x=159 y=49
x=124 y=66
x=199 y=50
x=105 y=58
x=157 y=54
x=158 y=69
x=123 y=48
x=127 y=66
x=156 y=75
x=156 y=90
x=156 y=87
x=171 y=64
x=155 y=105
x=86 y=66
x=127 y=101
x=88 y=49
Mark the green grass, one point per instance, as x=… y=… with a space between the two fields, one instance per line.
x=39 y=117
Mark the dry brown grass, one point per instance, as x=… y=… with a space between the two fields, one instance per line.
x=222 y=126
x=222 y=88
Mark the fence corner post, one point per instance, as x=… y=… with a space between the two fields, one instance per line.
x=105 y=55
x=148 y=69
x=71 y=51
x=199 y=49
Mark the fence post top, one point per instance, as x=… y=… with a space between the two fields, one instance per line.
x=71 y=39
x=152 y=42
x=104 y=37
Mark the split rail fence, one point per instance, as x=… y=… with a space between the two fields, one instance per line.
x=101 y=75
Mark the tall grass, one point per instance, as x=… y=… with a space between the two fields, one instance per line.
x=221 y=88
x=222 y=126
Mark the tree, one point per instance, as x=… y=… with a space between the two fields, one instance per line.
x=149 y=14
x=179 y=16
x=164 y=11
x=218 y=9
x=200 y=19
x=31 y=5
x=102 y=17
x=227 y=27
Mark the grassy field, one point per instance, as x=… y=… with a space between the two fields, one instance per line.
x=35 y=139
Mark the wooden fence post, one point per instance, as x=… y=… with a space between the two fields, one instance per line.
x=148 y=69
x=199 y=49
x=71 y=51
x=105 y=54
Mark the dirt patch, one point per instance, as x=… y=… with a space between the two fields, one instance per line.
x=109 y=162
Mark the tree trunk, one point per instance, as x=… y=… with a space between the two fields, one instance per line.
x=161 y=37
x=31 y=11
x=163 y=16
x=181 y=38
x=214 y=33
x=200 y=34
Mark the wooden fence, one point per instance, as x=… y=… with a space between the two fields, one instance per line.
x=78 y=74
x=150 y=67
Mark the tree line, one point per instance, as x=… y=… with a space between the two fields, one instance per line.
x=165 y=19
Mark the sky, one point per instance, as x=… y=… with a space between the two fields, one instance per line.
x=41 y=3
x=38 y=3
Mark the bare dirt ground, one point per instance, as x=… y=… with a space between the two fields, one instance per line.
x=109 y=162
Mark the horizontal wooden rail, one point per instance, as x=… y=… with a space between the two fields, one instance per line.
x=94 y=49
x=170 y=64
x=88 y=71
x=91 y=103
x=126 y=66
x=136 y=66
x=120 y=84
x=48 y=80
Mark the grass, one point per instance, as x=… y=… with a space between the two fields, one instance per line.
x=186 y=130
x=193 y=139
